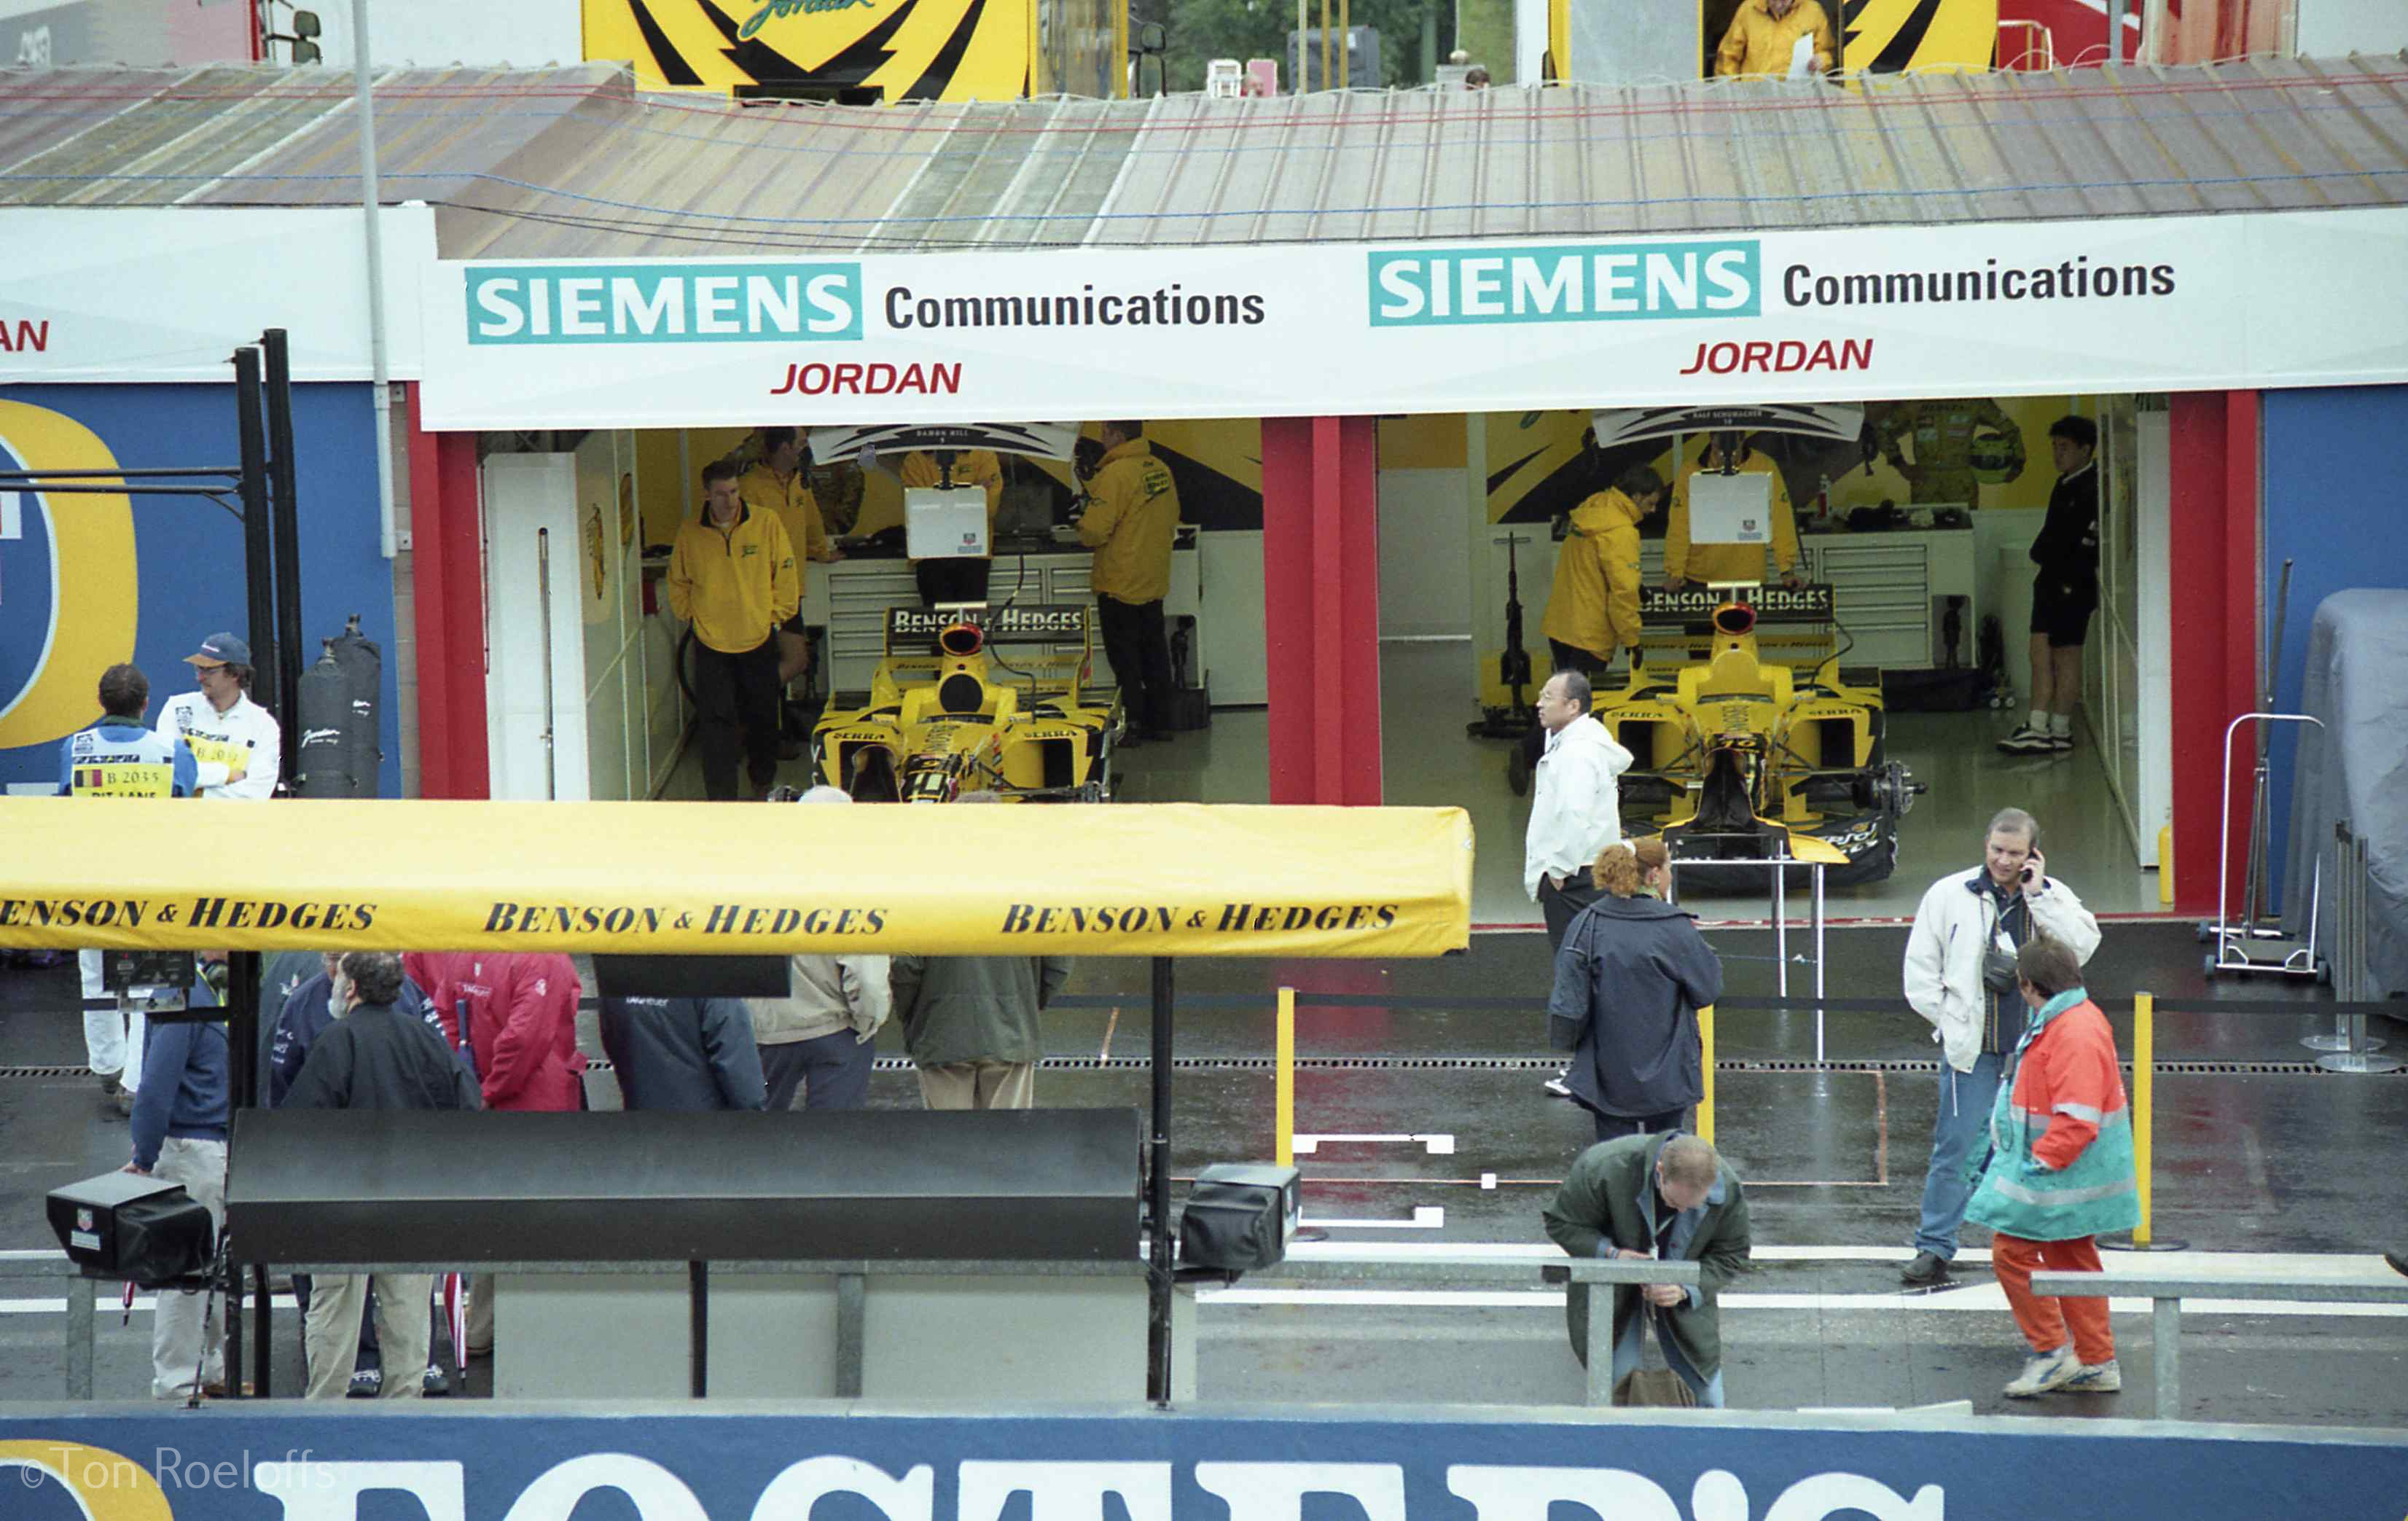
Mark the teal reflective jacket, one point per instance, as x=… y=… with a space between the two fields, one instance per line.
x=2060 y=1163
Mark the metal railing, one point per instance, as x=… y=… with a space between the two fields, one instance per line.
x=2167 y=1291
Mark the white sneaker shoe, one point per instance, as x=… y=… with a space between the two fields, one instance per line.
x=2095 y=1378
x=2027 y=740
x=2044 y=1371
x=1556 y=1086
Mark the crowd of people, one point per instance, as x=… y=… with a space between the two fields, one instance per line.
x=2032 y=1138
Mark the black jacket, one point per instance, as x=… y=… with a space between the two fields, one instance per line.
x=1629 y=980
x=377 y=1057
x=2068 y=545
x=683 y=1053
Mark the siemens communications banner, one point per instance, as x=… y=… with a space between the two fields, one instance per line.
x=2037 y=309
x=669 y=1464
x=703 y=878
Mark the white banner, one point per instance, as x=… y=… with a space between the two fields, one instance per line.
x=125 y=294
x=2033 y=309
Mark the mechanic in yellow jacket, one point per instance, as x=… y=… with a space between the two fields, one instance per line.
x=780 y=487
x=1592 y=607
x=1131 y=519
x=1764 y=34
x=732 y=573
x=1687 y=562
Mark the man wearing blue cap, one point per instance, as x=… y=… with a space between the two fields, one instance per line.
x=237 y=743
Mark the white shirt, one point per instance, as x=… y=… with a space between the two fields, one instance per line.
x=1575 y=808
x=246 y=731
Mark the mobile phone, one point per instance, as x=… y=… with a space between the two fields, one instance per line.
x=2028 y=874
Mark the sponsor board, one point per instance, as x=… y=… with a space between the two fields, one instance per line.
x=2016 y=309
x=651 y=878
x=1050 y=623
x=1167 y=1466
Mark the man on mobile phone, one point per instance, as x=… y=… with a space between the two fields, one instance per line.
x=1960 y=977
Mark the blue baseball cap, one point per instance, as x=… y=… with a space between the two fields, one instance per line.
x=220 y=650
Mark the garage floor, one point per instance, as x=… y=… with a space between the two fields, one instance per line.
x=1429 y=762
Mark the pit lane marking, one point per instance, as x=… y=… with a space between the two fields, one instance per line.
x=1433 y=1145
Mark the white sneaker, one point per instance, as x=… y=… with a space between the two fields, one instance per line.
x=2095 y=1378
x=1557 y=1086
x=2027 y=740
x=2044 y=1371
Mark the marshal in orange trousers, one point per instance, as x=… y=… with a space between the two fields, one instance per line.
x=2044 y=1321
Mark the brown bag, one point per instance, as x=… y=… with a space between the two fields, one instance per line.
x=1653 y=1383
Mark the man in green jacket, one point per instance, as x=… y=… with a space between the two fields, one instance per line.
x=970 y=1022
x=1671 y=1198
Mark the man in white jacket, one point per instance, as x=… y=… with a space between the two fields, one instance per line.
x=237 y=742
x=1575 y=810
x=1969 y=996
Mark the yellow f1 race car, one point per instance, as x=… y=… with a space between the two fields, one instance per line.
x=1741 y=758
x=949 y=714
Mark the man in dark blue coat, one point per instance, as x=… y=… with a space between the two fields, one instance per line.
x=1631 y=976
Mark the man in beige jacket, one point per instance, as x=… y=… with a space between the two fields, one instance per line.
x=817 y=1038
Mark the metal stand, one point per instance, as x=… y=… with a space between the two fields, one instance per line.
x=2232 y=938
x=1158 y=1267
x=1779 y=920
x=2355 y=1053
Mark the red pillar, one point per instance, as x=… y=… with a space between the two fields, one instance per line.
x=448 y=598
x=2214 y=561
x=1321 y=607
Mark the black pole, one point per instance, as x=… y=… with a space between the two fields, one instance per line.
x=287 y=525
x=698 y=1298
x=242 y=1036
x=258 y=555
x=1158 y=1280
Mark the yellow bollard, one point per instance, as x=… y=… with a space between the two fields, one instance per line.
x=1283 y=1078
x=2165 y=867
x=2144 y=1048
x=1706 y=1060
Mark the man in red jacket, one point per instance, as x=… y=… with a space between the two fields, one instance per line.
x=522 y=1034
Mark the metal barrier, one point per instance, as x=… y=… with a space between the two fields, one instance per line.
x=1486 y=1265
x=2347 y=1048
x=74 y=1356
x=2168 y=1293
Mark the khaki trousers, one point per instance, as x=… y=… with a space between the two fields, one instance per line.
x=978 y=1085
x=332 y=1331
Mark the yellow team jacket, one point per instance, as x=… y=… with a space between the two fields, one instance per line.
x=1595 y=602
x=971 y=467
x=736 y=584
x=792 y=502
x=1729 y=562
x=1758 y=44
x=1132 y=518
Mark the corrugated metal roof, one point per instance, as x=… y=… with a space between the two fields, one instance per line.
x=572 y=162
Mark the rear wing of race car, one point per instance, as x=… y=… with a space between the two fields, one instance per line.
x=913 y=630
x=1661 y=607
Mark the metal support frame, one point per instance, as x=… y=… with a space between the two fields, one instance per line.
x=697 y=1351
x=2350 y=1050
x=285 y=533
x=1158 y=1264
x=258 y=533
x=1779 y=919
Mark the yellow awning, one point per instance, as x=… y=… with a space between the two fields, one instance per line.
x=704 y=878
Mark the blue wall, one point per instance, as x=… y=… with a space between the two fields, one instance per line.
x=188 y=553
x=2336 y=489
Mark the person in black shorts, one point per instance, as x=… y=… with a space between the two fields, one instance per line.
x=2065 y=592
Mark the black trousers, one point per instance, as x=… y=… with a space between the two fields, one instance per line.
x=1138 y=643
x=737 y=693
x=1562 y=905
x=1565 y=657
x=1614 y=1127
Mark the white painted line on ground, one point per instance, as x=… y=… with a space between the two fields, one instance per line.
x=1425 y=1217
x=1488 y=1182
x=108 y=1306
x=1435 y=1145
x=1972 y=1299
x=2316 y=1265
